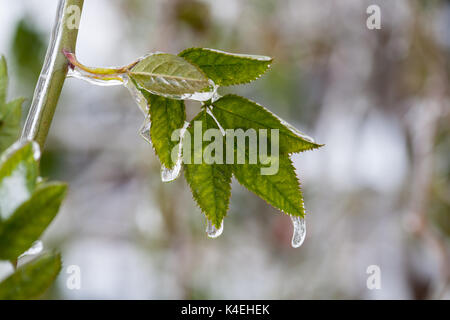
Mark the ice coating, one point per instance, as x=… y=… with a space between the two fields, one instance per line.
x=212 y=231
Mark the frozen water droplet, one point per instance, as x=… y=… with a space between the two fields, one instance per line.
x=145 y=130
x=212 y=231
x=299 y=231
x=35 y=249
x=168 y=175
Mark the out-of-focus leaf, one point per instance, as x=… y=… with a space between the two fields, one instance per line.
x=210 y=183
x=166 y=74
x=193 y=13
x=28 y=51
x=30 y=220
x=3 y=80
x=225 y=68
x=32 y=279
x=18 y=174
x=10 y=113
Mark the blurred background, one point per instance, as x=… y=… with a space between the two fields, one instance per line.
x=378 y=193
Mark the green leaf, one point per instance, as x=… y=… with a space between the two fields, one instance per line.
x=32 y=279
x=281 y=190
x=166 y=116
x=18 y=174
x=168 y=75
x=30 y=220
x=10 y=113
x=3 y=80
x=235 y=112
x=10 y=116
x=210 y=183
x=225 y=68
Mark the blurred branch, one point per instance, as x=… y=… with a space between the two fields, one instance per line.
x=54 y=71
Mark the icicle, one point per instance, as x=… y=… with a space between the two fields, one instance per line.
x=168 y=175
x=35 y=249
x=299 y=231
x=212 y=231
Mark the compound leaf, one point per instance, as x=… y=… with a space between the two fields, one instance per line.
x=225 y=68
x=32 y=279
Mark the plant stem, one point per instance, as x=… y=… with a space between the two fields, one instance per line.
x=54 y=71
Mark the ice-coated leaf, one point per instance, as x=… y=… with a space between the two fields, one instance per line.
x=10 y=113
x=281 y=190
x=30 y=220
x=210 y=183
x=169 y=75
x=235 y=112
x=32 y=279
x=225 y=68
x=18 y=174
x=166 y=115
